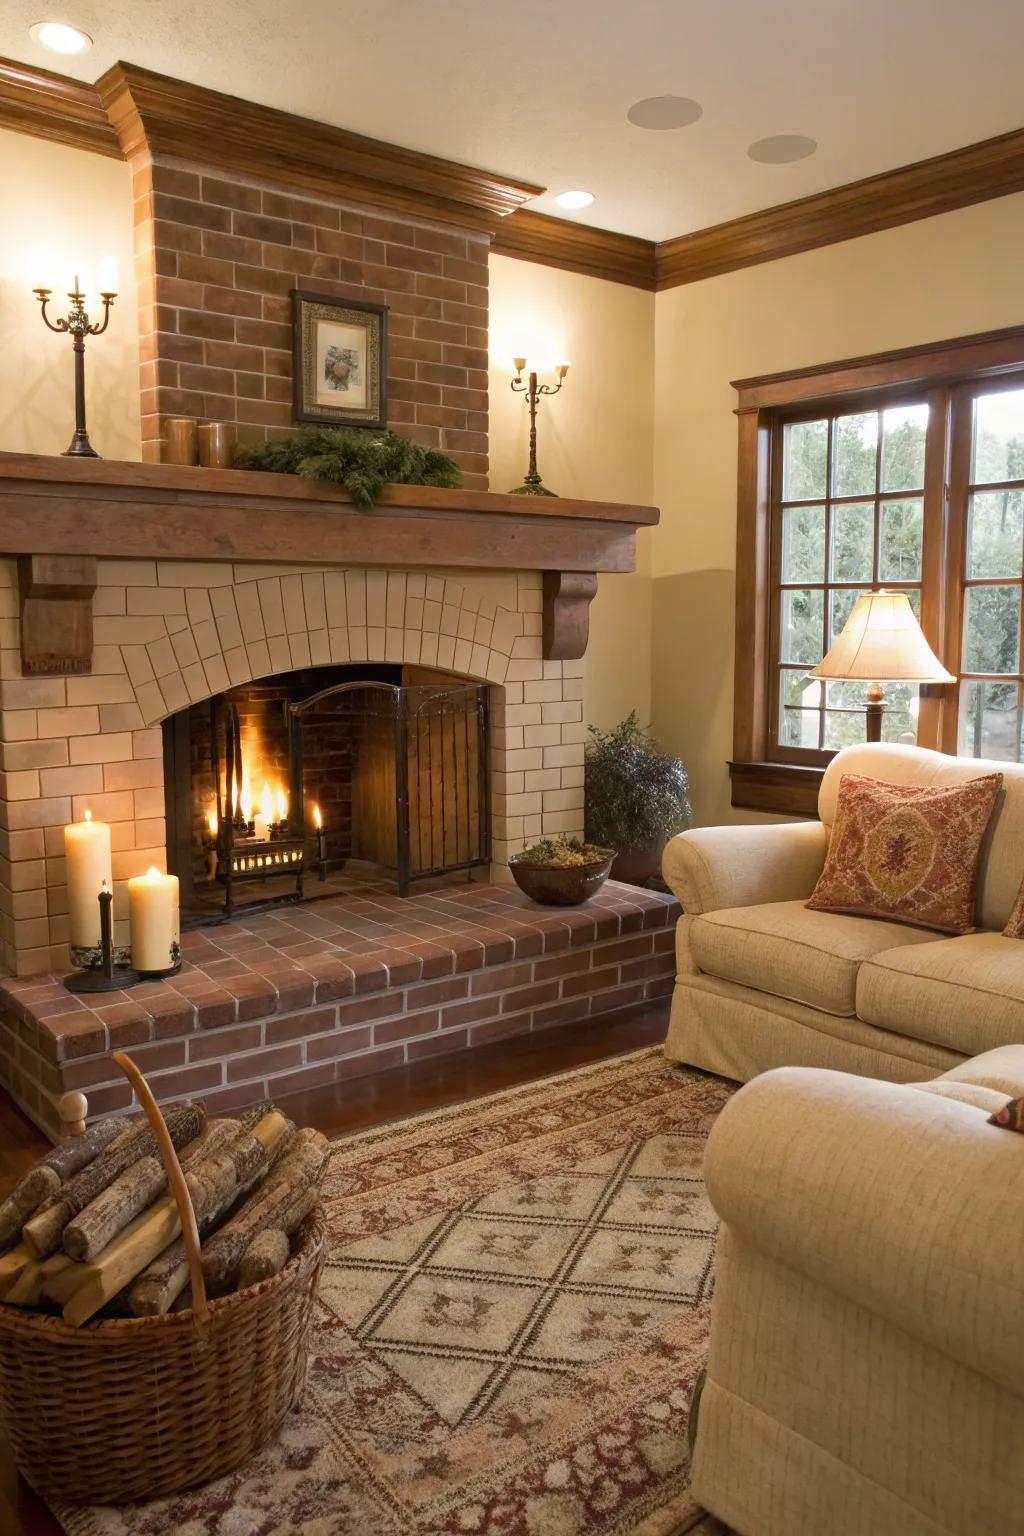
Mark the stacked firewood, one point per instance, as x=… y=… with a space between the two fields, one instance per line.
x=93 y=1225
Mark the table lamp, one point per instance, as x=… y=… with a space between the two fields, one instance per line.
x=881 y=642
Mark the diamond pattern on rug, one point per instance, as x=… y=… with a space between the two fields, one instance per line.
x=532 y=1280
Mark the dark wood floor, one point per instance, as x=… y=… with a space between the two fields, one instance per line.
x=431 y=1084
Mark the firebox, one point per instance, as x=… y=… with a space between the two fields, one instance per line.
x=276 y=791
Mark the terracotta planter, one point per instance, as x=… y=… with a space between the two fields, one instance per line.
x=637 y=868
x=563 y=887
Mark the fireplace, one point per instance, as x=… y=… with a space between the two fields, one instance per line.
x=277 y=790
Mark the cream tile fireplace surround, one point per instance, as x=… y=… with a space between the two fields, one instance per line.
x=169 y=631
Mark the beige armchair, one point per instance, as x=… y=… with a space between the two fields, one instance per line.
x=866 y=1369
x=762 y=982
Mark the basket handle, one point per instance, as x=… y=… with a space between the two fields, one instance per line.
x=176 y=1181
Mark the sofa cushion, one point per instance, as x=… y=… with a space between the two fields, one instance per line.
x=907 y=852
x=787 y=950
x=965 y=993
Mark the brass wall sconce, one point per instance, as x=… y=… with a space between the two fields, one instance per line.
x=531 y=485
x=78 y=326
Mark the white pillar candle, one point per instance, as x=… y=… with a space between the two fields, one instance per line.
x=153 y=917
x=87 y=851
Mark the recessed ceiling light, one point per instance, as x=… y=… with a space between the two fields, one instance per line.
x=664 y=112
x=574 y=199
x=59 y=37
x=782 y=148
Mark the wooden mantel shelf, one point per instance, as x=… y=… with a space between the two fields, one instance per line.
x=59 y=515
x=109 y=508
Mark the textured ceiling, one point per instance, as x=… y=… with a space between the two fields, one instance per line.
x=539 y=88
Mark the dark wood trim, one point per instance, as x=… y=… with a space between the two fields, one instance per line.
x=750 y=696
x=974 y=174
x=566 y=619
x=153 y=511
x=158 y=115
x=785 y=788
x=936 y=362
x=554 y=242
x=52 y=106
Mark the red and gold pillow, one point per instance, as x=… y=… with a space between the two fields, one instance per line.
x=906 y=852
x=1010 y=1117
x=1015 y=922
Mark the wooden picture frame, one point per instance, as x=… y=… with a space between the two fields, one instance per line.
x=340 y=361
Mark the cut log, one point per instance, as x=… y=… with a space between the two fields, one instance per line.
x=27 y=1290
x=60 y=1285
x=266 y=1255
x=103 y=1218
x=215 y=1186
x=42 y=1181
x=11 y=1265
x=215 y=1135
x=149 y=1234
x=301 y=1170
x=44 y=1231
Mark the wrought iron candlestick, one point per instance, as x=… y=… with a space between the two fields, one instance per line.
x=109 y=975
x=78 y=327
x=531 y=485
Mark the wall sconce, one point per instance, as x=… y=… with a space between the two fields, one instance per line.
x=531 y=485
x=78 y=326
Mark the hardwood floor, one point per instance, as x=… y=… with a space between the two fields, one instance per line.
x=433 y=1083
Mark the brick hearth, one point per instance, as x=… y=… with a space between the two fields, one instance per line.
x=354 y=984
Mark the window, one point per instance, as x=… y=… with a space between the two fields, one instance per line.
x=904 y=471
x=849 y=518
x=989 y=715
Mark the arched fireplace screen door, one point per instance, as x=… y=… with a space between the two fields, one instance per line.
x=364 y=773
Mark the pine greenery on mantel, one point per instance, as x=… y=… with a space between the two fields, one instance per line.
x=362 y=461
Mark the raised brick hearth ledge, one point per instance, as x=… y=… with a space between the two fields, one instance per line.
x=358 y=983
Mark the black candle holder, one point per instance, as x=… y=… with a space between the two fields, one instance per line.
x=532 y=485
x=321 y=852
x=106 y=975
x=78 y=326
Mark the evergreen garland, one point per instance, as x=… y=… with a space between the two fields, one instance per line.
x=361 y=460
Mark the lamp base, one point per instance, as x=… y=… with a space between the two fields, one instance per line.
x=876 y=709
x=80 y=447
x=526 y=489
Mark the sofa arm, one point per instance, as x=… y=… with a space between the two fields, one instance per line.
x=904 y=1203
x=710 y=868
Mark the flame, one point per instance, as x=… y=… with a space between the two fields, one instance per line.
x=282 y=805
x=266 y=805
x=212 y=822
x=88 y=815
x=318 y=820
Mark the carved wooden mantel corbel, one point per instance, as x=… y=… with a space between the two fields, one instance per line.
x=56 y=613
x=567 y=599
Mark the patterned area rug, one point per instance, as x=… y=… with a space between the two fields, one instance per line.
x=513 y=1314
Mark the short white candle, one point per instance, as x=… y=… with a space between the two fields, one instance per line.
x=153 y=916
x=87 y=851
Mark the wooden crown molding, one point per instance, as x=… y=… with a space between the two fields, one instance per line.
x=993 y=168
x=555 y=242
x=985 y=353
x=156 y=114
x=51 y=106
x=131 y=110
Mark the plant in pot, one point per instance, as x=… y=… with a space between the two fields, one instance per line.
x=561 y=871
x=636 y=798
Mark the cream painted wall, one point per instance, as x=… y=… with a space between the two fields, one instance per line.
x=61 y=206
x=943 y=277
x=595 y=440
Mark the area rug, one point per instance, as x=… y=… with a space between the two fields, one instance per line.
x=511 y=1321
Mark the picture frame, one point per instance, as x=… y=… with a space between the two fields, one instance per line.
x=341 y=360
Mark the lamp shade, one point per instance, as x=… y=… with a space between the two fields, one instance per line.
x=882 y=642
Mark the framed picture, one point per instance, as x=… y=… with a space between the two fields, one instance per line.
x=341 y=357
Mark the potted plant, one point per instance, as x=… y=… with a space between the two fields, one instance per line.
x=561 y=871
x=636 y=798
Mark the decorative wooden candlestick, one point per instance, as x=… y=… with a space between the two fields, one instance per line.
x=107 y=977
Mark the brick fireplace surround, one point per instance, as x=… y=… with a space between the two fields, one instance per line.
x=192 y=593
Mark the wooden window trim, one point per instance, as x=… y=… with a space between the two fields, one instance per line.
x=942 y=371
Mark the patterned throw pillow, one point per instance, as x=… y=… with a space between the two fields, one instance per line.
x=906 y=852
x=1010 y=1117
x=1015 y=922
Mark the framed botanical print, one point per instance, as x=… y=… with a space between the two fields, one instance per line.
x=341 y=354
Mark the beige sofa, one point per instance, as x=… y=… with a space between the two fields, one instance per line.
x=762 y=982
x=866 y=1370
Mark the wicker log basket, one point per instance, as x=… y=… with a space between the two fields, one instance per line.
x=127 y=1409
